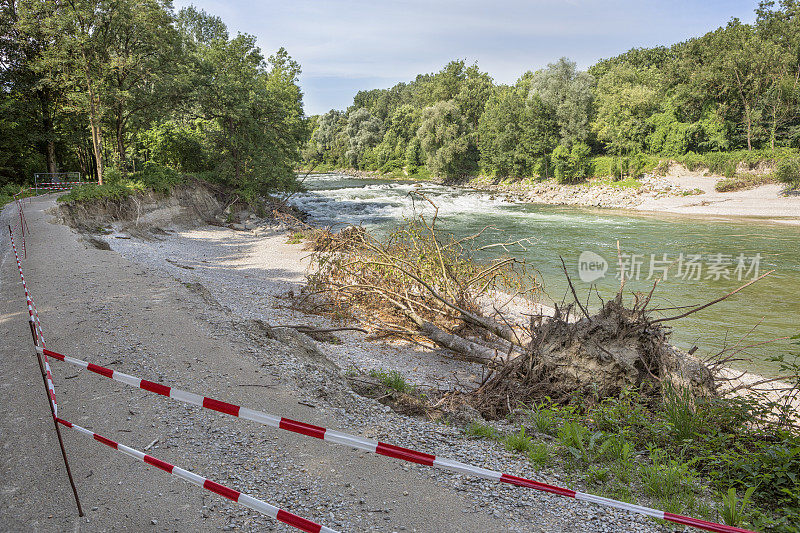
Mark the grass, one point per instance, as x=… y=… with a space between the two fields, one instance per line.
x=539 y=454
x=702 y=458
x=518 y=442
x=8 y=191
x=296 y=238
x=393 y=380
x=483 y=431
x=117 y=187
x=742 y=181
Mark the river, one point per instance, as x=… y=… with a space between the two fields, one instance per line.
x=707 y=257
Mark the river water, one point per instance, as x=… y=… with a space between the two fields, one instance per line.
x=707 y=256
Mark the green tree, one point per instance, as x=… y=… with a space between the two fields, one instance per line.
x=515 y=132
x=142 y=82
x=448 y=141
x=626 y=97
x=363 y=133
x=254 y=109
x=568 y=93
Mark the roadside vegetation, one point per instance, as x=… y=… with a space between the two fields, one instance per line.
x=726 y=459
x=132 y=94
x=624 y=116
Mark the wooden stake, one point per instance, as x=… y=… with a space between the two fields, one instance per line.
x=55 y=422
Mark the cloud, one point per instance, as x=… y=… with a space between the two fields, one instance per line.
x=340 y=44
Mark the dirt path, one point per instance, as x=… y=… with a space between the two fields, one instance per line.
x=98 y=306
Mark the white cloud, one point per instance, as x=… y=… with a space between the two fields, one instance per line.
x=392 y=41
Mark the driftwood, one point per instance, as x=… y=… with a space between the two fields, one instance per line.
x=426 y=286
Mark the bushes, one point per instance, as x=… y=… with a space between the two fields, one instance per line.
x=788 y=172
x=111 y=191
x=7 y=193
x=675 y=453
x=153 y=177
x=571 y=166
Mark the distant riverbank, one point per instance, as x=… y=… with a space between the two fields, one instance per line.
x=680 y=191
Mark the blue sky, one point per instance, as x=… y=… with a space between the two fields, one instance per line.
x=349 y=45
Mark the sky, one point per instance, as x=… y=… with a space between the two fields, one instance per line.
x=349 y=45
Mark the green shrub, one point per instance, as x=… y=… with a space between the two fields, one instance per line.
x=742 y=181
x=580 y=162
x=110 y=191
x=393 y=380
x=158 y=178
x=560 y=161
x=484 y=431
x=788 y=171
x=519 y=441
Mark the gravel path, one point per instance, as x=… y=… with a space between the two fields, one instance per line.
x=137 y=317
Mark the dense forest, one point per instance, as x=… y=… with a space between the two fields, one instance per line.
x=734 y=89
x=124 y=88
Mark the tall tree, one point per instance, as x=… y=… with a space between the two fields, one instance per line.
x=625 y=98
x=569 y=93
x=363 y=132
x=145 y=54
x=448 y=141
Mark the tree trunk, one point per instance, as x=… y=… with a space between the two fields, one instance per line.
x=749 y=121
x=774 y=127
x=94 y=123
x=120 y=134
x=47 y=129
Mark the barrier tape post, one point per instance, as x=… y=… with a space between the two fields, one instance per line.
x=234 y=495
x=55 y=421
x=382 y=448
x=50 y=399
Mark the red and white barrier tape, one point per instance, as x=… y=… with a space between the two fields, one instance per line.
x=33 y=316
x=380 y=448
x=64 y=183
x=234 y=495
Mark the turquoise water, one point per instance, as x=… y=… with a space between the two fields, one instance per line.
x=772 y=304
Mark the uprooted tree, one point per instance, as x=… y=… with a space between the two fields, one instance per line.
x=427 y=286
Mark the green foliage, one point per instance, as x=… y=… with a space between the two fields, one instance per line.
x=560 y=161
x=690 y=444
x=515 y=134
x=539 y=454
x=179 y=146
x=665 y=478
x=484 y=431
x=788 y=172
x=733 y=512
x=363 y=132
x=626 y=97
x=682 y=413
x=568 y=95
x=393 y=380
x=571 y=166
x=519 y=441
x=116 y=187
x=108 y=191
x=152 y=87
x=742 y=181
x=544 y=421
x=448 y=140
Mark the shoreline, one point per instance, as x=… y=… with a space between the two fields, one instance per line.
x=680 y=192
x=234 y=280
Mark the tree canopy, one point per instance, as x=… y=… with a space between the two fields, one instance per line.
x=93 y=85
x=735 y=88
